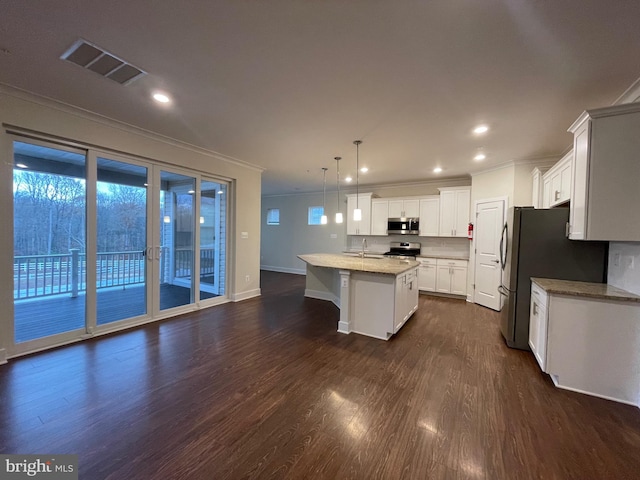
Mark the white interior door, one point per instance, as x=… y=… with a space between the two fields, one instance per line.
x=489 y=222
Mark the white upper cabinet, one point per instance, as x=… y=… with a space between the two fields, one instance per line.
x=379 y=216
x=557 y=182
x=430 y=216
x=606 y=175
x=400 y=208
x=363 y=202
x=454 y=211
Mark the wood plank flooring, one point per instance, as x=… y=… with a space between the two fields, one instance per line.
x=267 y=388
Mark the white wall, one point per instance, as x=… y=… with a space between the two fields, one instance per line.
x=280 y=244
x=624 y=266
x=56 y=120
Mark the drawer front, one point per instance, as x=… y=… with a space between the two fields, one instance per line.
x=444 y=262
x=426 y=261
x=539 y=296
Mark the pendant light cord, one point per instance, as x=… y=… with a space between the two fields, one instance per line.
x=337 y=159
x=357 y=144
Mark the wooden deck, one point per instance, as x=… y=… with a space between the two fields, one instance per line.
x=41 y=317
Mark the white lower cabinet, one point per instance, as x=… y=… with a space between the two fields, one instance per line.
x=586 y=337
x=538 y=323
x=406 y=297
x=427 y=274
x=451 y=276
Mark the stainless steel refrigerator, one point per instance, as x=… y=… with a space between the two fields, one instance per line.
x=534 y=244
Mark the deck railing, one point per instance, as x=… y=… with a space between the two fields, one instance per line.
x=44 y=275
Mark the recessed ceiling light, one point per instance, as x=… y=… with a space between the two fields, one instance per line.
x=21 y=165
x=437 y=170
x=220 y=192
x=479 y=157
x=480 y=129
x=161 y=97
x=348 y=179
x=364 y=170
x=191 y=192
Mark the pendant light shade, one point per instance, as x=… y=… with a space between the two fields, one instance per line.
x=338 y=212
x=357 y=213
x=323 y=218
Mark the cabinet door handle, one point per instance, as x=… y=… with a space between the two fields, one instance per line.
x=567 y=229
x=535 y=309
x=557 y=195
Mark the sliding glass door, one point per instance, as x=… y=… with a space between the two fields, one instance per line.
x=103 y=241
x=49 y=223
x=121 y=237
x=177 y=239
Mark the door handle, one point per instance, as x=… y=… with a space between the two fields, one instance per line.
x=149 y=253
x=158 y=253
x=495 y=261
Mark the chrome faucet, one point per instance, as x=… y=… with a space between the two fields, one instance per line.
x=364 y=246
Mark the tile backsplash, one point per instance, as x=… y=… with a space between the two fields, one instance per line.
x=429 y=245
x=624 y=266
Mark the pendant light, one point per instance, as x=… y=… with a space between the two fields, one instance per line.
x=357 y=213
x=323 y=218
x=338 y=212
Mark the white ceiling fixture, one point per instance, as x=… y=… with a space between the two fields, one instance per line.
x=21 y=165
x=348 y=179
x=161 y=97
x=481 y=129
x=437 y=170
x=90 y=56
x=479 y=157
x=364 y=170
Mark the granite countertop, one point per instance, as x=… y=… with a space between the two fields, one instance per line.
x=388 y=266
x=585 y=289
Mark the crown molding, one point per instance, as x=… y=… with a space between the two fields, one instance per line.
x=48 y=102
x=630 y=95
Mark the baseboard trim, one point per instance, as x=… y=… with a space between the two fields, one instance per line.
x=238 y=297
x=321 y=295
x=295 y=271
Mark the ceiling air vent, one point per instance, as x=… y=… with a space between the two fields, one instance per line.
x=102 y=62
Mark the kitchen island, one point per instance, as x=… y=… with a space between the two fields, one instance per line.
x=376 y=296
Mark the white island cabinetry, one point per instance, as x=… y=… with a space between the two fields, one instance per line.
x=376 y=296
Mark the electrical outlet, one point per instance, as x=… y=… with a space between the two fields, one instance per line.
x=247 y=278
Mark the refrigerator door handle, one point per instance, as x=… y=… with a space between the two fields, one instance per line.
x=504 y=245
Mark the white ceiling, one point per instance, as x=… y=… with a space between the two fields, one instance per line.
x=289 y=84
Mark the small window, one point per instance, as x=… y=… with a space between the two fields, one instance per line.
x=273 y=216
x=315 y=214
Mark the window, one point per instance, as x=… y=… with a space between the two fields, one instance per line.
x=273 y=216
x=314 y=215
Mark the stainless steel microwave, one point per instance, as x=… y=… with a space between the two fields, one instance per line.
x=403 y=226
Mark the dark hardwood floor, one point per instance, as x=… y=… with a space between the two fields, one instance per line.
x=267 y=388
